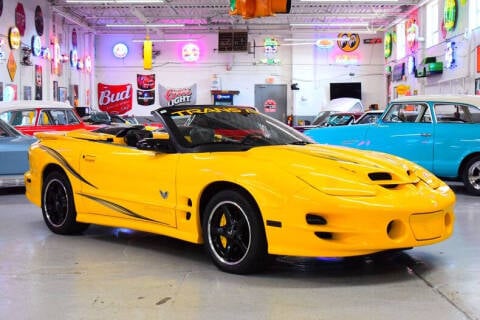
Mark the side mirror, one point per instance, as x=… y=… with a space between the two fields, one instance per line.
x=158 y=145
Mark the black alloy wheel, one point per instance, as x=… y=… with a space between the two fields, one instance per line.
x=58 y=205
x=234 y=234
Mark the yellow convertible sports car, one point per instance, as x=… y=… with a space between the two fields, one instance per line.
x=243 y=184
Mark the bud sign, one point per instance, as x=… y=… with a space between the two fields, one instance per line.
x=115 y=98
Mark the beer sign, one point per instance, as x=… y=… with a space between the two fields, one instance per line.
x=115 y=98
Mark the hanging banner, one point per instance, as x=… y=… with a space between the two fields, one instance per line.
x=146 y=89
x=177 y=96
x=38 y=82
x=115 y=98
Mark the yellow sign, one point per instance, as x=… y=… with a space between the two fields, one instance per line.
x=11 y=66
x=348 y=42
x=14 y=38
x=147 y=54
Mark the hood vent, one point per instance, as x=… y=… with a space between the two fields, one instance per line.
x=375 y=176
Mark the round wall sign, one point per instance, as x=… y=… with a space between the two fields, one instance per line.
x=20 y=18
x=36 y=45
x=450 y=14
x=120 y=50
x=88 y=64
x=387 y=42
x=14 y=38
x=348 y=42
x=39 y=20
x=190 y=52
x=74 y=37
x=73 y=58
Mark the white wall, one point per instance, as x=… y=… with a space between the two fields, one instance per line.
x=237 y=71
x=313 y=71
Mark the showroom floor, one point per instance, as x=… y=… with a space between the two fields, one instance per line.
x=119 y=274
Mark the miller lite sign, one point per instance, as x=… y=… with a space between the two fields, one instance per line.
x=115 y=98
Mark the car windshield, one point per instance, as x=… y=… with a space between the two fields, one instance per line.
x=321 y=118
x=8 y=131
x=239 y=126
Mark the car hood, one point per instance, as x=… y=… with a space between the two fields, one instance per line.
x=340 y=135
x=18 y=141
x=340 y=170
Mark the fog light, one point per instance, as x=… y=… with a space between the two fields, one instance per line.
x=396 y=229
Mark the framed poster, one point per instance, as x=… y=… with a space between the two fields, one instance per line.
x=62 y=94
x=55 y=90
x=38 y=82
x=27 y=93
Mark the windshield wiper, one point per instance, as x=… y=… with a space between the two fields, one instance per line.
x=300 y=142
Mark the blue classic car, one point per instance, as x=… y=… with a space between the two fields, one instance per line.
x=440 y=133
x=13 y=155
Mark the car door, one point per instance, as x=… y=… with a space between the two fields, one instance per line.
x=406 y=130
x=457 y=127
x=126 y=182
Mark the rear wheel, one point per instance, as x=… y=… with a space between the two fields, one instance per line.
x=471 y=176
x=234 y=234
x=58 y=206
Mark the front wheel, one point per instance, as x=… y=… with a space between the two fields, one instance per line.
x=471 y=176
x=234 y=234
x=58 y=206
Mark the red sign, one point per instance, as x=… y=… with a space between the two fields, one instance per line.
x=115 y=98
x=20 y=18
x=478 y=58
x=270 y=105
x=372 y=40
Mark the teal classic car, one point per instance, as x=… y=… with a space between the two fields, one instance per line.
x=439 y=132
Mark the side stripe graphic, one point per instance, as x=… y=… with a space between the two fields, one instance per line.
x=119 y=208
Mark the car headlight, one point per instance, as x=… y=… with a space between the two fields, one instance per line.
x=336 y=186
x=429 y=178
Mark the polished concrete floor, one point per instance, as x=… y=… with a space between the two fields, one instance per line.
x=118 y=274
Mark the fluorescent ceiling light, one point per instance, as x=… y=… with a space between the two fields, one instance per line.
x=146 y=25
x=114 y=1
x=166 y=40
x=331 y=24
x=311 y=40
x=378 y=1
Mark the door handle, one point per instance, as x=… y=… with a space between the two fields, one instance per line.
x=89 y=157
x=425 y=134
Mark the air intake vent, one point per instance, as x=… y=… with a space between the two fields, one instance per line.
x=375 y=176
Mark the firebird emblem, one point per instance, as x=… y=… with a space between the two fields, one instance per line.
x=164 y=194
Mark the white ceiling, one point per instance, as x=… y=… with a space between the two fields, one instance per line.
x=202 y=16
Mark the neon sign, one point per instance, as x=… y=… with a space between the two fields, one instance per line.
x=190 y=52
x=450 y=55
x=450 y=14
x=388 y=45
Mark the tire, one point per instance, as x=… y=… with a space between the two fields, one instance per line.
x=471 y=176
x=234 y=235
x=58 y=206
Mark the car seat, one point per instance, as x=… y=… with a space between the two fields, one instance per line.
x=201 y=135
x=134 y=135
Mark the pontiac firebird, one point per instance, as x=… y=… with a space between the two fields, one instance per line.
x=246 y=186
